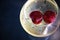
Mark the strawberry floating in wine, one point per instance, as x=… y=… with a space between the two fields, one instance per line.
x=49 y=16
x=36 y=17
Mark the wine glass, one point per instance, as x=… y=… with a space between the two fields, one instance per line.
x=39 y=18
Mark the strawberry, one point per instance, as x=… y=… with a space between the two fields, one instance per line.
x=36 y=17
x=49 y=16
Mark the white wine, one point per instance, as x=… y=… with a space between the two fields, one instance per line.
x=38 y=17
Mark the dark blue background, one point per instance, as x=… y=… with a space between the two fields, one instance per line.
x=10 y=27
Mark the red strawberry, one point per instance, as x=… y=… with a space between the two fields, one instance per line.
x=49 y=16
x=36 y=17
